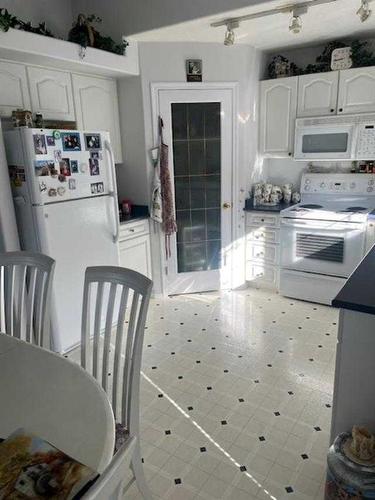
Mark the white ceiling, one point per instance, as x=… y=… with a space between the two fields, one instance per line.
x=320 y=23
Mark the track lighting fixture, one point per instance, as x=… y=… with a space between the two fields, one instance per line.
x=364 y=11
x=295 y=24
x=229 y=34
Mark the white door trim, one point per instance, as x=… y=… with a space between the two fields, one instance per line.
x=155 y=88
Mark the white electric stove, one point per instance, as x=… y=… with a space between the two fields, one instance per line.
x=323 y=237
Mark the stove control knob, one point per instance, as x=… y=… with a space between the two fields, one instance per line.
x=370 y=189
x=307 y=181
x=352 y=185
x=323 y=185
x=371 y=182
x=307 y=187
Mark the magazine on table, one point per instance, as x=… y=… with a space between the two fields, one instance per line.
x=33 y=469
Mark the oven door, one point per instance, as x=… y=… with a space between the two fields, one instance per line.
x=323 y=247
x=324 y=142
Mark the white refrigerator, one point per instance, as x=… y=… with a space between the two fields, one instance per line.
x=65 y=196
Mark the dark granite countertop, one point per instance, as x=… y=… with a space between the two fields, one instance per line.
x=138 y=212
x=264 y=208
x=358 y=293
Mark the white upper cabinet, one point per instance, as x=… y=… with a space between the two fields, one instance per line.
x=277 y=116
x=51 y=93
x=14 y=92
x=96 y=106
x=357 y=91
x=317 y=94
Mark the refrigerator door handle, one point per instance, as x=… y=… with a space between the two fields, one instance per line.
x=113 y=191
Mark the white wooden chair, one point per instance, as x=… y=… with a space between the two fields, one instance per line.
x=117 y=299
x=110 y=484
x=25 y=286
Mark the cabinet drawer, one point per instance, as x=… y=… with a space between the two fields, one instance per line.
x=267 y=276
x=262 y=253
x=131 y=229
x=262 y=234
x=262 y=219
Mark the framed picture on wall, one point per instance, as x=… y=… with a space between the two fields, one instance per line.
x=194 y=70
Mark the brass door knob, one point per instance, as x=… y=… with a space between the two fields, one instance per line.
x=227 y=205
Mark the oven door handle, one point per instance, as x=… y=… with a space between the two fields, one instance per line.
x=336 y=226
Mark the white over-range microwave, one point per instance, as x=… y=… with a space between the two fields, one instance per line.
x=350 y=137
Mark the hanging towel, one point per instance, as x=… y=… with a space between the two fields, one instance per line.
x=156 y=212
x=168 y=216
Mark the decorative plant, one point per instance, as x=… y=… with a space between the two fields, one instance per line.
x=86 y=35
x=280 y=66
x=360 y=55
x=7 y=21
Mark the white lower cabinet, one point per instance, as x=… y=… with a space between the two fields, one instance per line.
x=135 y=247
x=262 y=249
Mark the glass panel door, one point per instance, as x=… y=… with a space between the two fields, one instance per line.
x=196 y=135
x=198 y=128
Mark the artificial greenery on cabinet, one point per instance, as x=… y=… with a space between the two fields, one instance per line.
x=82 y=31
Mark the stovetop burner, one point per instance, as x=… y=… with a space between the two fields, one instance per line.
x=354 y=209
x=311 y=205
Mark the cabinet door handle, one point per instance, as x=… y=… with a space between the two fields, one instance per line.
x=132 y=230
x=340 y=110
x=332 y=110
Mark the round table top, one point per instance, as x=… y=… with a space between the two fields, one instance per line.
x=55 y=399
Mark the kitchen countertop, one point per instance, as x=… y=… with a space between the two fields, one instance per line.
x=262 y=208
x=358 y=293
x=138 y=212
x=132 y=218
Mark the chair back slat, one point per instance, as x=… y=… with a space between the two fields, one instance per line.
x=124 y=296
x=21 y=300
x=97 y=327
x=129 y=355
x=107 y=334
x=118 y=347
x=26 y=285
x=9 y=299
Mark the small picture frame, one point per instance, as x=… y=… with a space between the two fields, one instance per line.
x=44 y=168
x=94 y=166
x=97 y=188
x=40 y=147
x=193 y=70
x=93 y=142
x=71 y=141
x=74 y=166
x=65 y=167
x=72 y=183
x=50 y=140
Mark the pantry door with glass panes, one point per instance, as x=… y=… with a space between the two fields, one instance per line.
x=198 y=128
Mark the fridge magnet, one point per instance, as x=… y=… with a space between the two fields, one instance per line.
x=61 y=190
x=72 y=184
x=194 y=70
x=94 y=167
x=52 y=192
x=58 y=155
x=65 y=167
x=94 y=155
x=100 y=187
x=42 y=187
x=83 y=168
x=50 y=140
x=94 y=188
x=44 y=168
x=56 y=134
x=71 y=141
x=93 y=141
x=62 y=178
x=40 y=147
x=74 y=166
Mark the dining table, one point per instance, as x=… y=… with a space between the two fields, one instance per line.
x=54 y=398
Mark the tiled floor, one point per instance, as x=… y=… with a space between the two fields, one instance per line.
x=236 y=396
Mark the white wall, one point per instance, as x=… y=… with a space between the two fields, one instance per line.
x=128 y=16
x=56 y=13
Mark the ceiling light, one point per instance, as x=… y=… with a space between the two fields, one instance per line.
x=295 y=24
x=364 y=11
x=229 y=34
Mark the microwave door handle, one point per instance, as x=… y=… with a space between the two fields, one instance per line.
x=113 y=191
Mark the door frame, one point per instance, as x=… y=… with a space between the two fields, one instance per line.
x=155 y=88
